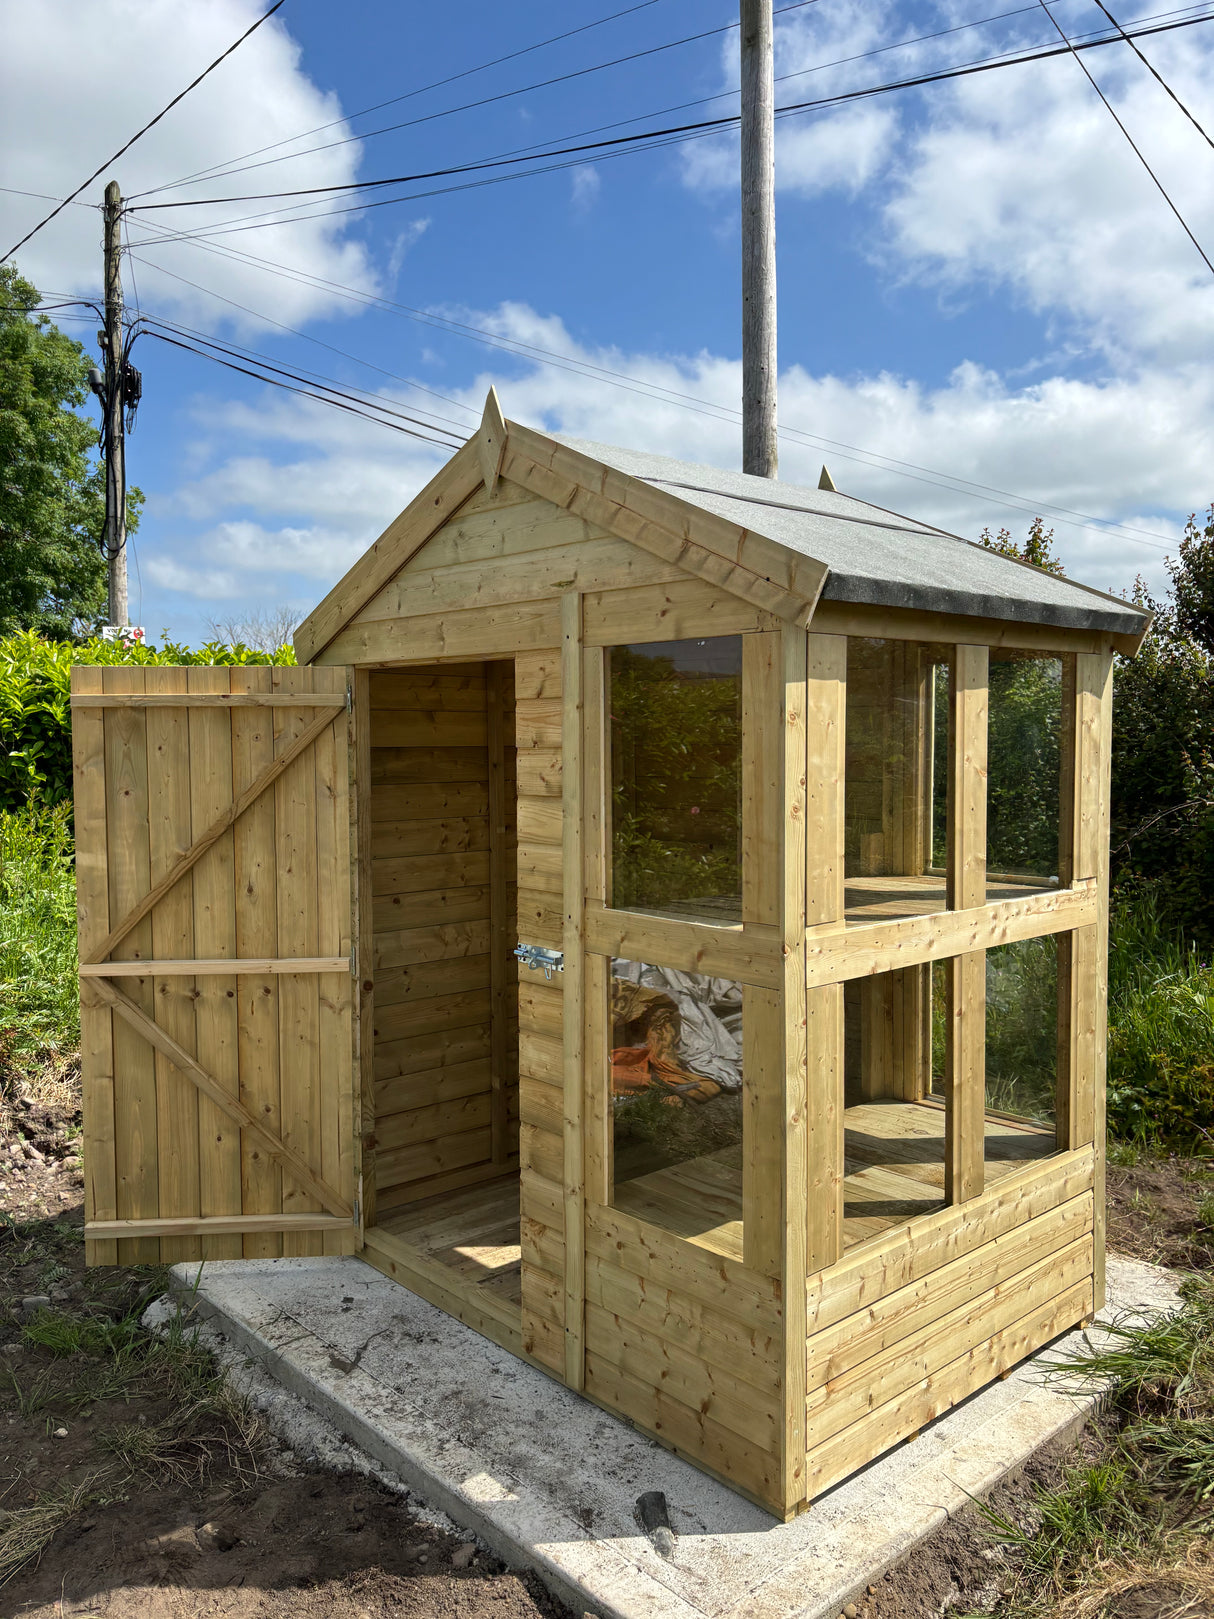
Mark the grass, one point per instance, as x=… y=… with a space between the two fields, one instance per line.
x=39 y=1007
x=183 y=1420
x=1142 y=1513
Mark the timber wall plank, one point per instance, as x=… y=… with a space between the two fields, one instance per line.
x=442 y=865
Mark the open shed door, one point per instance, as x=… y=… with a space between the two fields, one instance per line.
x=216 y=877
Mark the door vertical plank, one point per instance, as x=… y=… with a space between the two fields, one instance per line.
x=574 y=988
x=334 y=939
x=965 y=1058
x=126 y=776
x=215 y=1014
x=255 y=881
x=298 y=932
x=169 y=834
x=93 y=923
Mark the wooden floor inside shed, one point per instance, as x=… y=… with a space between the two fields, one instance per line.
x=894 y=1155
x=894 y=1163
x=866 y=899
x=474 y=1234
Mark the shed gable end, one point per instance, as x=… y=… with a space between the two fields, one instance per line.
x=512 y=546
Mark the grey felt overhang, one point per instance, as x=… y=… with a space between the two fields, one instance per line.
x=877 y=557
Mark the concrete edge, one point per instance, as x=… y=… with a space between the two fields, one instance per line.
x=461 y=1508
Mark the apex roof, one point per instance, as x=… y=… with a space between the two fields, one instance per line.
x=875 y=556
x=778 y=545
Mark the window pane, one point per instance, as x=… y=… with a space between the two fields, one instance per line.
x=1022 y=1029
x=893 y=1127
x=676 y=777
x=676 y=1101
x=1023 y=799
x=896 y=778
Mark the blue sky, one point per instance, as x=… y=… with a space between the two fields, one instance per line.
x=979 y=286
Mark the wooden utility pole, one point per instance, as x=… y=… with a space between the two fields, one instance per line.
x=115 y=451
x=759 y=449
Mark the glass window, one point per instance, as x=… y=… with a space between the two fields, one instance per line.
x=893 y=1126
x=676 y=1101
x=896 y=778
x=1023 y=769
x=676 y=777
x=1021 y=1053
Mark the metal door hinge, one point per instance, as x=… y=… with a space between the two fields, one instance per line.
x=349 y=699
x=541 y=959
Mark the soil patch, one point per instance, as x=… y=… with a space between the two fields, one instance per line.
x=212 y=1516
x=1161 y=1209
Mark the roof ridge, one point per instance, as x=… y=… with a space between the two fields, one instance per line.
x=908 y=525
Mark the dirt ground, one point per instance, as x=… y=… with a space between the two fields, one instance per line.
x=231 y=1525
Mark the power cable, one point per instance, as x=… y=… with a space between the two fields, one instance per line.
x=1155 y=73
x=724 y=413
x=1133 y=144
x=136 y=136
x=306 y=393
x=487 y=101
x=300 y=374
x=408 y=96
x=307 y=337
x=691 y=130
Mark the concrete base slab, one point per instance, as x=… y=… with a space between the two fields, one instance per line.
x=549 y=1481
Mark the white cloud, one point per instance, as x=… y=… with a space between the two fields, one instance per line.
x=116 y=63
x=585 y=185
x=1029 y=186
x=1136 y=450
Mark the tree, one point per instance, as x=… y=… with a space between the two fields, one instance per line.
x=52 y=494
x=1037 y=549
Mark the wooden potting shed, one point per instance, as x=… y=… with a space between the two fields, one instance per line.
x=662 y=922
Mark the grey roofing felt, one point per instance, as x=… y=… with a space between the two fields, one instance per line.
x=875 y=556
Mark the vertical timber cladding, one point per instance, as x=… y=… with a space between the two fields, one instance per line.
x=442 y=879
x=213 y=827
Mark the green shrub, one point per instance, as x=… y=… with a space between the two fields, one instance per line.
x=1161 y=1030
x=39 y=1008
x=35 y=704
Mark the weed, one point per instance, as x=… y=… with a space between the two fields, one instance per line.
x=26 y=1533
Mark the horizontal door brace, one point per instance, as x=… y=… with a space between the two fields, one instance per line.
x=217 y=967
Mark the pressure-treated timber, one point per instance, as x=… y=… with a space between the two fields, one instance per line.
x=231 y=1105
x=574 y=937
x=965 y=1040
x=777 y=1311
x=795 y=1065
x=208 y=838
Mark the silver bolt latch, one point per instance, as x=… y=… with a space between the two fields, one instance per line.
x=540 y=959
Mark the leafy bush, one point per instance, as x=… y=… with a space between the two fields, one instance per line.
x=1161 y=1029
x=35 y=704
x=39 y=1008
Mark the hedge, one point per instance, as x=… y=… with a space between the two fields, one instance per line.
x=35 y=704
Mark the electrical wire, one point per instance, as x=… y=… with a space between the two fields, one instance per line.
x=487 y=101
x=141 y=132
x=1155 y=73
x=1134 y=147
x=306 y=393
x=407 y=96
x=361 y=396
x=682 y=131
x=723 y=413
x=257 y=314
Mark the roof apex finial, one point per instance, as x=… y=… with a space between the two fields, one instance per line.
x=825 y=481
x=491 y=439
